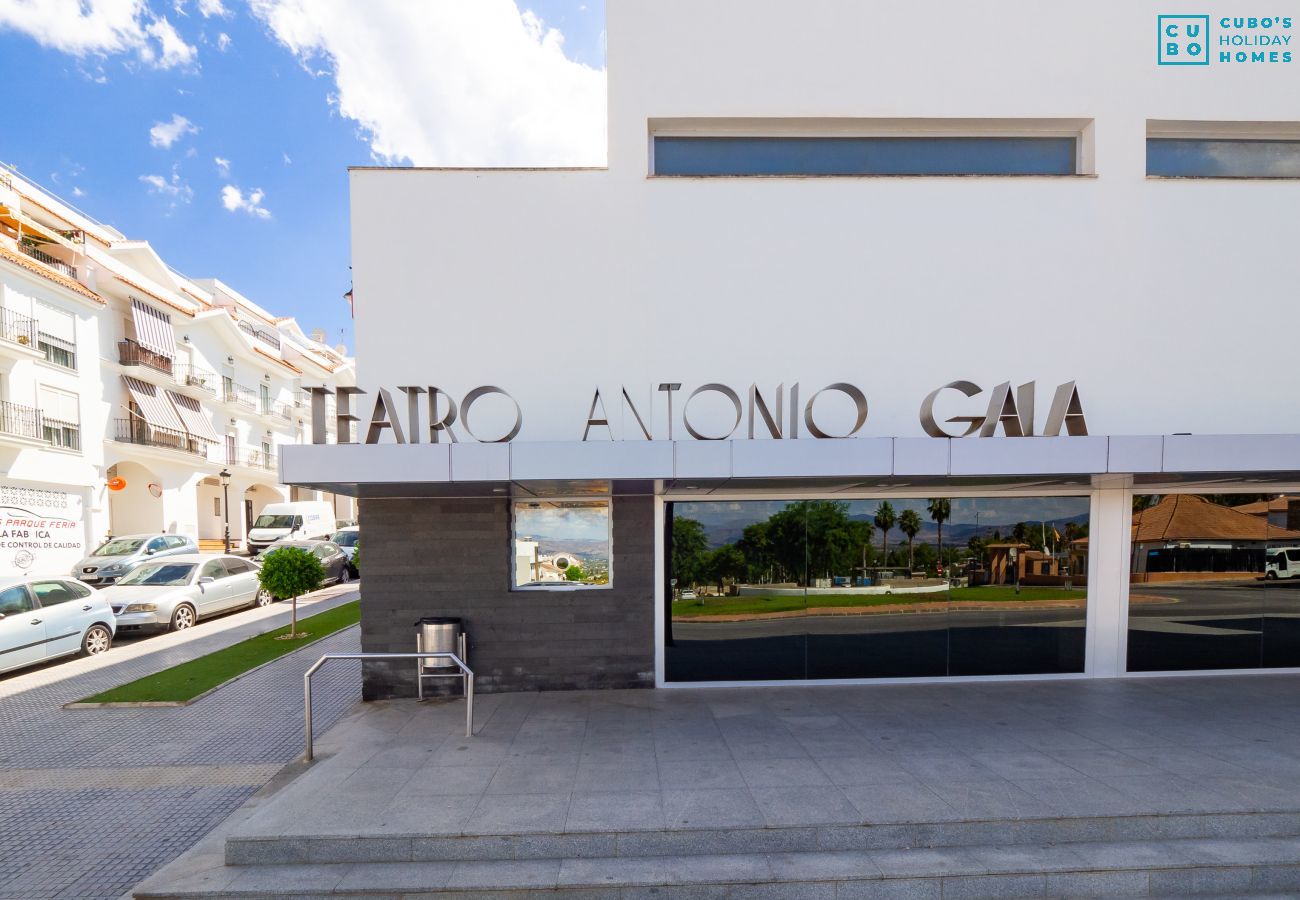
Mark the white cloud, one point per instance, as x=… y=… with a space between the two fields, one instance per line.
x=99 y=28
x=174 y=188
x=285 y=156
x=223 y=42
x=210 y=8
x=164 y=134
x=223 y=165
x=77 y=192
x=233 y=199
x=495 y=87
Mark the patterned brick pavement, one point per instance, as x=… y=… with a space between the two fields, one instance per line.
x=94 y=800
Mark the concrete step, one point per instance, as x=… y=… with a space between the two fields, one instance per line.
x=253 y=850
x=1162 y=868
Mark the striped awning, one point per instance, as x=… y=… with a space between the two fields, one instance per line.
x=153 y=329
x=153 y=405
x=192 y=416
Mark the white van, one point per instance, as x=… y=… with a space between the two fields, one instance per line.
x=301 y=520
x=1282 y=562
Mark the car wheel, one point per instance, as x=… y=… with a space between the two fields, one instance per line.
x=97 y=640
x=264 y=597
x=182 y=618
x=345 y=575
x=1272 y=576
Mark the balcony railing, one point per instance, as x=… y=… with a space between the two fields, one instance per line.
x=138 y=431
x=247 y=456
x=20 y=421
x=130 y=353
x=41 y=256
x=190 y=376
x=266 y=337
x=277 y=410
x=238 y=395
x=17 y=329
x=64 y=435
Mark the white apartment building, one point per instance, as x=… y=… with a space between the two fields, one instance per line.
x=134 y=399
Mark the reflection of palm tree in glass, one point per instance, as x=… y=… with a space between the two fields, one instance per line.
x=940 y=511
x=910 y=523
x=885 y=520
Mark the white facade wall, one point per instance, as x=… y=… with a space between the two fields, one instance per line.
x=1147 y=292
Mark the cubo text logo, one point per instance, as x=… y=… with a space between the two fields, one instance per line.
x=1183 y=40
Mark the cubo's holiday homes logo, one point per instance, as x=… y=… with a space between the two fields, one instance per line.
x=1186 y=40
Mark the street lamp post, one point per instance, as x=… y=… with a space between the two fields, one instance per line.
x=225 y=504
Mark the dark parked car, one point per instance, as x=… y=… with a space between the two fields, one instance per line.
x=338 y=568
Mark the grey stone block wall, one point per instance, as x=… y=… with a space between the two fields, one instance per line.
x=453 y=557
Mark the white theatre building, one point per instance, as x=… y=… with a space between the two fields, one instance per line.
x=886 y=336
x=127 y=389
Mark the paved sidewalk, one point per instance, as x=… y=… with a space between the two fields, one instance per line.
x=616 y=761
x=93 y=800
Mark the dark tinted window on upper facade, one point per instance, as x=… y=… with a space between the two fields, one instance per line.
x=1204 y=158
x=705 y=156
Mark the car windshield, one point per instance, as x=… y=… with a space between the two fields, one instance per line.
x=119 y=547
x=270 y=521
x=346 y=538
x=161 y=575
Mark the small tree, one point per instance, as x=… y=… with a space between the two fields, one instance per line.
x=573 y=573
x=291 y=572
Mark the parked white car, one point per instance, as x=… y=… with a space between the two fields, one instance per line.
x=174 y=593
x=44 y=618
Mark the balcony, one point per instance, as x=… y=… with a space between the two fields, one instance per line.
x=21 y=421
x=201 y=379
x=41 y=256
x=17 y=329
x=130 y=353
x=238 y=395
x=250 y=458
x=278 y=410
x=140 y=432
x=261 y=334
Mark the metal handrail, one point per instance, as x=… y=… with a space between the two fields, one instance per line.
x=441 y=654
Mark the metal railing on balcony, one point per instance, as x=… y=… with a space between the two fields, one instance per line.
x=17 y=329
x=130 y=353
x=277 y=410
x=41 y=256
x=64 y=435
x=138 y=431
x=20 y=421
x=250 y=458
x=266 y=337
x=238 y=395
x=191 y=376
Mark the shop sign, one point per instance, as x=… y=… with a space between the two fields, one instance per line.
x=780 y=414
x=41 y=529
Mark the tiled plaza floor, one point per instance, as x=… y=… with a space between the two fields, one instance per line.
x=93 y=800
x=769 y=757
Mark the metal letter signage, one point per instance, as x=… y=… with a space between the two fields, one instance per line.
x=1010 y=410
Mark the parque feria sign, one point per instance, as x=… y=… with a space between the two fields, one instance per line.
x=433 y=414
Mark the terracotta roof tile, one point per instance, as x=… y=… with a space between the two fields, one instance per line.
x=287 y=365
x=144 y=290
x=1187 y=517
x=32 y=265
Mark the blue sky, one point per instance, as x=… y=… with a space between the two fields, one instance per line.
x=289 y=102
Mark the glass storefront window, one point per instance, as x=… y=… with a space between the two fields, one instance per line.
x=875 y=588
x=561 y=544
x=1211 y=583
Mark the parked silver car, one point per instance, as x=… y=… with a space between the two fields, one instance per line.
x=43 y=618
x=117 y=556
x=176 y=592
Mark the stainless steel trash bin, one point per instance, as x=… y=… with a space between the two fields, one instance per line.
x=438 y=634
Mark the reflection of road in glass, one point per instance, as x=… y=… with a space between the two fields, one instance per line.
x=1222 y=624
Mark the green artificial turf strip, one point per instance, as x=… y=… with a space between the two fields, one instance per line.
x=755 y=604
x=189 y=679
